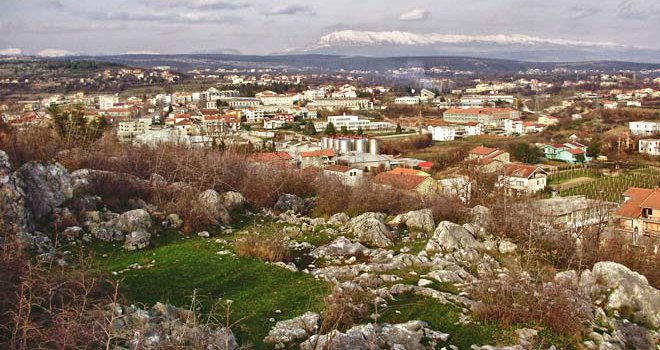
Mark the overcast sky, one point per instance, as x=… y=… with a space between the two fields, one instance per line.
x=261 y=26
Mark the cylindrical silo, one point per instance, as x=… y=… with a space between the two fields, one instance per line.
x=335 y=144
x=344 y=145
x=373 y=146
x=362 y=145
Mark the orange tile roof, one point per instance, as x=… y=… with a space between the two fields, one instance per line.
x=404 y=182
x=483 y=151
x=319 y=153
x=271 y=157
x=338 y=168
x=478 y=110
x=405 y=171
x=520 y=170
x=632 y=208
x=575 y=151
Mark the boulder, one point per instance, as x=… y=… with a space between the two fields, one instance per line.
x=450 y=236
x=507 y=247
x=420 y=222
x=623 y=290
x=480 y=215
x=341 y=246
x=46 y=187
x=370 y=229
x=290 y=202
x=14 y=217
x=338 y=219
x=412 y=335
x=211 y=201
x=294 y=330
x=134 y=220
x=174 y=221
x=233 y=201
x=72 y=233
x=137 y=240
x=156 y=180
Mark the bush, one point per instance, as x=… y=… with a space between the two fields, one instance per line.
x=514 y=299
x=345 y=307
x=266 y=248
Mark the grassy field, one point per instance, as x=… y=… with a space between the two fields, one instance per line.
x=183 y=266
x=438 y=148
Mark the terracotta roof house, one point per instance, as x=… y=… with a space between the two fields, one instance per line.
x=488 y=159
x=347 y=175
x=414 y=183
x=523 y=178
x=318 y=158
x=639 y=215
x=272 y=157
x=408 y=171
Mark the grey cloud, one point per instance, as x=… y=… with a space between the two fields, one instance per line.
x=579 y=12
x=288 y=10
x=197 y=4
x=172 y=17
x=636 y=10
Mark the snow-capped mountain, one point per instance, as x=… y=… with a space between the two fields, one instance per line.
x=55 y=53
x=516 y=46
x=11 y=52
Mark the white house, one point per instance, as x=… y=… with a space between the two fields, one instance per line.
x=347 y=175
x=253 y=114
x=514 y=126
x=651 y=146
x=443 y=132
x=523 y=178
x=644 y=128
x=473 y=129
x=352 y=123
x=407 y=100
x=610 y=105
x=270 y=98
x=271 y=124
x=108 y=101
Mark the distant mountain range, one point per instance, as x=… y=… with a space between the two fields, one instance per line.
x=513 y=47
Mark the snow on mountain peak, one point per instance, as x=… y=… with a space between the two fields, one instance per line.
x=55 y=53
x=11 y=52
x=353 y=37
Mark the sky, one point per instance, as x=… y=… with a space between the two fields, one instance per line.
x=262 y=27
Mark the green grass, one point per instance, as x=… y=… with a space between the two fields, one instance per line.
x=185 y=265
x=611 y=188
x=440 y=317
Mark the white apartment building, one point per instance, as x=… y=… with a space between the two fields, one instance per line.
x=644 y=128
x=514 y=126
x=350 y=103
x=270 y=98
x=353 y=123
x=479 y=100
x=651 y=147
x=407 y=100
x=253 y=114
x=443 y=132
x=244 y=102
x=127 y=130
x=108 y=101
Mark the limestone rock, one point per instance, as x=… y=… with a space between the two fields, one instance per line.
x=46 y=187
x=294 y=330
x=134 y=220
x=338 y=219
x=137 y=240
x=420 y=222
x=174 y=221
x=341 y=246
x=233 y=201
x=290 y=202
x=211 y=201
x=450 y=236
x=370 y=229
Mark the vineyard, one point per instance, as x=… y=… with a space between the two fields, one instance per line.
x=608 y=188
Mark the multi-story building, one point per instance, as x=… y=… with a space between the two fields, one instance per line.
x=108 y=101
x=270 y=98
x=353 y=123
x=443 y=132
x=480 y=100
x=407 y=100
x=338 y=103
x=650 y=146
x=644 y=128
x=486 y=116
x=242 y=102
x=639 y=215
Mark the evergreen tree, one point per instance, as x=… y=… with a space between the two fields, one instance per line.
x=309 y=129
x=398 y=129
x=344 y=130
x=360 y=131
x=330 y=129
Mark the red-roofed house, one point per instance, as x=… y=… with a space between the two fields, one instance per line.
x=639 y=214
x=488 y=159
x=414 y=183
x=272 y=157
x=523 y=178
x=320 y=158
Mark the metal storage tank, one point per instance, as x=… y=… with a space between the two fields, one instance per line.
x=362 y=145
x=344 y=145
x=335 y=144
x=352 y=145
x=326 y=142
x=373 y=146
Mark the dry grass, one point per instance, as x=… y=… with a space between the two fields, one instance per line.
x=272 y=248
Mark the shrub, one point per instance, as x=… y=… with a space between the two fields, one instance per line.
x=346 y=306
x=272 y=248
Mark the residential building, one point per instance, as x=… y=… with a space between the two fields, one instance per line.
x=408 y=171
x=486 y=116
x=127 y=130
x=644 y=128
x=639 y=215
x=523 y=178
x=407 y=100
x=272 y=158
x=480 y=100
x=108 y=101
x=548 y=120
x=473 y=129
x=569 y=152
x=443 y=132
x=319 y=159
x=514 y=126
x=488 y=159
x=253 y=114
x=353 y=123
x=338 y=103
x=414 y=183
x=243 y=102
x=272 y=124
x=270 y=98
x=347 y=175
x=572 y=213
x=650 y=146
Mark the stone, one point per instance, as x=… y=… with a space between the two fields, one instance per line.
x=341 y=246
x=449 y=236
x=480 y=215
x=424 y=282
x=623 y=290
x=419 y=222
x=137 y=240
x=134 y=220
x=412 y=335
x=507 y=247
x=71 y=233
x=156 y=180
x=294 y=330
x=211 y=201
x=338 y=219
x=290 y=202
x=204 y=234
x=174 y=221
x=46 y=187
x=233 y=201
x=370 y=229
x=14 y=218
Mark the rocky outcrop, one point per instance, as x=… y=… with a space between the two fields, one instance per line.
x=233 y=201
x=137 y=240
x=341 y=246
x=450 y=236
x=211 y=202
x=134 y=220
x=419 y=222
x=46 y=187
x=619 y=289
x=173 y=221
x=14 y=217
x=370 y=229
x=165 y=326
x=294 y=330
x=290 y=202
x=338 y=219
x=412 y=335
